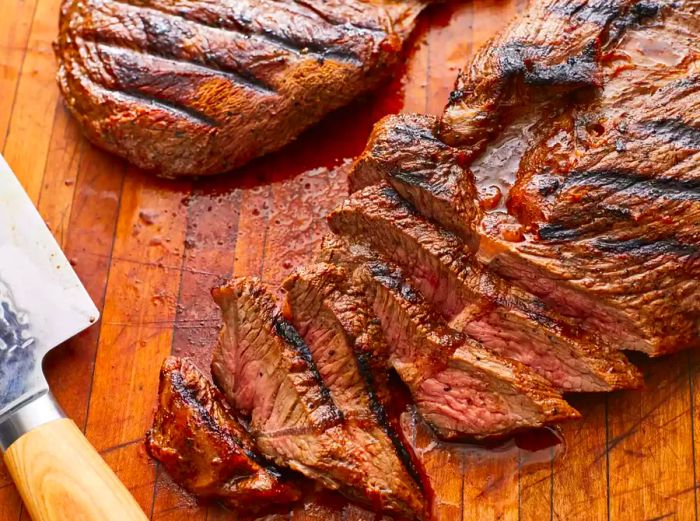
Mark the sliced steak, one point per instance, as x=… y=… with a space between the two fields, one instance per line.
x=404 y=151
x=461 y=388
x=477 y=302
x=604 y=219
x=267 y=371
x=197 y=87
x=200 y=443
x=346 y=342
x=554 y=46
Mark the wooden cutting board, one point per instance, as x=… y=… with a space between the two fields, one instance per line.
x=150 y=250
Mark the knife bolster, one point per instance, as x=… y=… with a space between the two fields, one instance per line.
x=28 y=416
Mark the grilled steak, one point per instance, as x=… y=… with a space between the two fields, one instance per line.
x=475 y=301
x=195 y=87
x=459 y=387
x=267 y=371
x=603 y=220
x=203 y=447
x=347 y=344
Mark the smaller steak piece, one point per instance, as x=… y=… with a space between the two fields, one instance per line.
x=461 y=388
x=197 y=87
x=205 y=449
x=267 y=371
x=347 y=343
x=477 y=302
x=404 y=151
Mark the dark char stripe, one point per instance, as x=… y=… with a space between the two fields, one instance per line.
x=674 y=131
x=241 y=78
x=169 y=106
x=188 y=396
x=289 y=334
x=244 y=27
x=636 y=185
x=380 y=414
x=646 y=248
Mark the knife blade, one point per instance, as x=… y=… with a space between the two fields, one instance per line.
x=42 y=301
x=42 y=304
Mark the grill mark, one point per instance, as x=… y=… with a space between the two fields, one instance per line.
x=556 y=232
x=647 y=248
x=183 y=391
x=600 y=13
x=289 y=334
x=242 y=28
x=617 y=182
x=674 y=131
x=380 y=415
x=651 y=188
x=168 y=106
x=237 y=78
x=345 y=23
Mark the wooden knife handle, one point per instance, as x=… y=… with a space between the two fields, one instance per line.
x=61 y=477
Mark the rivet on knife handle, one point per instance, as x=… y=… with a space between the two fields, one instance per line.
x=60 y=476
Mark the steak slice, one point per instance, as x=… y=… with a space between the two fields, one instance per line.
x=267 y=371
x=346 y=341
x=458 y=386
x=555 y=46
x=403 y=151
x=200 y=443
x=475 y=301
x=196 y=87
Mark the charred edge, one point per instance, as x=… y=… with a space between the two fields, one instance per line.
x=169 y=106
x=423 y=179
x=391 y=278
x=182 y=389
x=638 y=14
x=644 y=248
x=577 y=71
x=244 y=26
x=418 y=134
x=241 y=78
x=521 y=59
x=289 y=334
x=382 y=418
x=674 y=131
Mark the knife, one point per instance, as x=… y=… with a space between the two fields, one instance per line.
x=59 y=475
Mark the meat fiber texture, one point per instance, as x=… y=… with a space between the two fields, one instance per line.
x=195 y=87
x=600 y=215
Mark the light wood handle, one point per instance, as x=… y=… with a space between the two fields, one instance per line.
x=61 y=477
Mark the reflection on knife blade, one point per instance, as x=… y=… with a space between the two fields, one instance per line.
x=17 y=360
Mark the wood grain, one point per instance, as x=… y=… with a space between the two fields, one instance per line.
x=61 y=476
x=632 y=457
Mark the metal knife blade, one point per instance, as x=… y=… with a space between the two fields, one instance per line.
x=42 y=301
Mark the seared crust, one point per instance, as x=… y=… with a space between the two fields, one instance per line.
x=204 y=448
x=196 y=87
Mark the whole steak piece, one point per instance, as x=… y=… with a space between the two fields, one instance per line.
x=197 y=87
